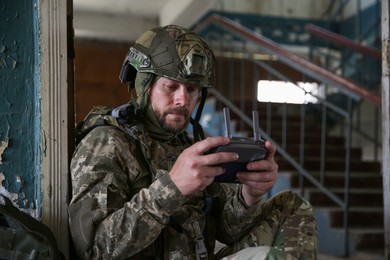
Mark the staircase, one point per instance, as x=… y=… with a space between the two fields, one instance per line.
x=365 y=201
x=365 y=217
x=327 y=166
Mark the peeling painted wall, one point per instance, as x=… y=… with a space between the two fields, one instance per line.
x=19 y=102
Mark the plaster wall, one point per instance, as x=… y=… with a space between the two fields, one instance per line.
x=19 y=103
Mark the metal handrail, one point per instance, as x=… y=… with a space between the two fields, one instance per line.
x=311 y=69
x=344 y=41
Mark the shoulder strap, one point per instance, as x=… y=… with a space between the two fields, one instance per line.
x=136 y=133
x=107 y=116
x=98 y=116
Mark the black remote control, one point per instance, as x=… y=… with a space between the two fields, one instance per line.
x=248 y=149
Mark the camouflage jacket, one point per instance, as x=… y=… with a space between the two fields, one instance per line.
x=125 y=206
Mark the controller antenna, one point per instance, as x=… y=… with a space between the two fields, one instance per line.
x=256 y=127
x=226 y=116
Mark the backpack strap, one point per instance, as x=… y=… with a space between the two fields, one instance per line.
x=14 y=230
x=33 y=255
x=20 y=220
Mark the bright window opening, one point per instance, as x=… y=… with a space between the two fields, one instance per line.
x=287 y=92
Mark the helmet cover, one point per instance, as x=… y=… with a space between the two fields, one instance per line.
x=172 y=52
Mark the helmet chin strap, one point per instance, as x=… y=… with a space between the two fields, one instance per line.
x=196 y=127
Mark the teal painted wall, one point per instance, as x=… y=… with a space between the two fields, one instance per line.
x=19 y=101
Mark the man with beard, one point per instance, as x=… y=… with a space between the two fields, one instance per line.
x=143 y=189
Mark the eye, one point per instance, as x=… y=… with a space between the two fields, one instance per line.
x=171 y=87
x=192 y=89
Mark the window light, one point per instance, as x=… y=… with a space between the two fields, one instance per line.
x=286 y=92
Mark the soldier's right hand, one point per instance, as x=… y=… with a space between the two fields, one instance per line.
x=194 y=169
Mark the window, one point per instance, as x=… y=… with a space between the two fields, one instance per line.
x=287 y=92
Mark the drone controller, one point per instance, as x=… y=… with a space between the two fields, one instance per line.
x=248 y=149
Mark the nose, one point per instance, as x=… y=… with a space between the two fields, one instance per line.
x=181 y=97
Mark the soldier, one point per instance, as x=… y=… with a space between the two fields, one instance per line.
x=142 y=189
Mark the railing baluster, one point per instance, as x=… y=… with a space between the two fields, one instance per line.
x=284 y=127
x=347 y=173
x=323 y=143
x=302 y=146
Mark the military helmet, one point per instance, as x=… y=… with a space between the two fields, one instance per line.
x=172 y=52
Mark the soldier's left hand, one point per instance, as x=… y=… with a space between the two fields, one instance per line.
x=261 y=177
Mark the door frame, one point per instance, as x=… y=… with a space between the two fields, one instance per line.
x=56 y=116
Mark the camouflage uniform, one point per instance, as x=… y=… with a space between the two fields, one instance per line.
x=125 y=206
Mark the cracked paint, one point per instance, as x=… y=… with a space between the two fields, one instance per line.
x=20 y=181
x=20 y=104
x=14 y=197
x=3 y=146
x=2 y=178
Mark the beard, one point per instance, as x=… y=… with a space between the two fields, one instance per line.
x=176 y=124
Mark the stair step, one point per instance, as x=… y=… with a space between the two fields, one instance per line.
x=294 y=139
x=332 y=165
x=368 y=239
x=291 y=127
x=330 y=151
x=371 y=241
x=292 y=124
x=353 y=208
x=363 y=220
x=356 y=199
x=357 y=181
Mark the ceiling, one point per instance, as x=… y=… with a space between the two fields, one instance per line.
x=125 y=20
x=146 y=8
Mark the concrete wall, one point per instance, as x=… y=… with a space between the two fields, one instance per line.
x=306 y=9
x=353 y=6
x=19 y=102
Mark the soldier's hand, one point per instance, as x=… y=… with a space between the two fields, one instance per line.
x=194 y=170
x=261 y=178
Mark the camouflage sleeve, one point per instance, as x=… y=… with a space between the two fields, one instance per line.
x=104 y=220
x=236 y=219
